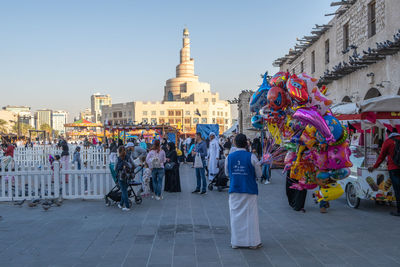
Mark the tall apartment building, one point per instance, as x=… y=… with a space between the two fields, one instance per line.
x=43 y=116
x=97 y=101
x=60 y=118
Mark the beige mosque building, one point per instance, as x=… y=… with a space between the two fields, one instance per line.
x=186 y=102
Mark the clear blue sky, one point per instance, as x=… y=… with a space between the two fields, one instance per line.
x=55 y=54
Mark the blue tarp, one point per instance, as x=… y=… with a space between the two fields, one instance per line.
x=206 y=129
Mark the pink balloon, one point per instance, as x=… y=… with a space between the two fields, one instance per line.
x=312 y=117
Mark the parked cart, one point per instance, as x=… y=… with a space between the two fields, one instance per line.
x=368 y=120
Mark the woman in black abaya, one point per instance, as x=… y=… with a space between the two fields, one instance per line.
x=296 y=198
x=172 y=178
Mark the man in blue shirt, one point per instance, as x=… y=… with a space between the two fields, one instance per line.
x=201 y=149
x=243 y=168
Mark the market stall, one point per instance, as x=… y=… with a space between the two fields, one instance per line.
x=368 y=121
x=82 y=128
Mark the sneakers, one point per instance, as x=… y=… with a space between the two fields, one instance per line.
x=203 y=193
x=267 y=182
x=157 y=197
x=125 y=209
x=119 y=206
x=196 y=191
x=234 y=247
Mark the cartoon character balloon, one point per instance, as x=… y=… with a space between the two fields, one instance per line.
x=277 y=99
x=297 y=89
x=339 y=156
x=279 y=79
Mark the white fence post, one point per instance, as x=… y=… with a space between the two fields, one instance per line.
x=56 y=178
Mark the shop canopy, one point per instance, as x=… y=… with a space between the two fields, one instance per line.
x=83 y=123
x=383 y=111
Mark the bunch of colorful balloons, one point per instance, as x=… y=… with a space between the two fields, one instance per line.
x=294 y=109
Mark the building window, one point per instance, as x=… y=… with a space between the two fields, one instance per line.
x=196 y=120
x=226 y=114
x=187 y=112
x=145 y=120
x=302 y=66
x=312 y=61
x=124 y=113
x=115 y=114
x=226 y=121
x=178 y=120
x=153 y=113
x=213 y=112
x=327 y=51
x=213 y=120
x=144 y=113
x=170 y=96
x=213 y=100
x=130 y=113
x=153 y=121
x=170 y=113
x=162 y=121
x=204 y=112
x=371 y=19
x=171 y=121
x=345 y=36
x=203 y=120
x=178 y=113
x=162 y=113
x=120 y=114
x=187 y=120
x=205 y=99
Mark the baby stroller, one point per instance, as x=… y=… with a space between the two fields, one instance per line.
x=220 y=180
x=115 y=193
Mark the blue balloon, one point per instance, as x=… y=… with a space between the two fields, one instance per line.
x=259 y=98
x=257 y=121
x=334 y=126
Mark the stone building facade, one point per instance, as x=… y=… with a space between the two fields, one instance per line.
x=186 y=102
x=351 y=34
x=244 y=115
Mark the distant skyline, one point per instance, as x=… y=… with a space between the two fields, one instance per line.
x=56 y=54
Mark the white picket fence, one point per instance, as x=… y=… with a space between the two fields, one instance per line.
x=39 y=156
x=33 y=182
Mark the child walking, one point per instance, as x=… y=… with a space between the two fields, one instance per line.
x=146 y=181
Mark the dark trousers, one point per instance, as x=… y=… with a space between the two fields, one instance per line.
x=296 y=198
x=395 y=177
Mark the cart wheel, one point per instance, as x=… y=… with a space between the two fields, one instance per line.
x=210 y=187
x=351 y=198
x=108 y=202
x=138 y=200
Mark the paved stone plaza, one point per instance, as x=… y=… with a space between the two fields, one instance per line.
x=193 y=230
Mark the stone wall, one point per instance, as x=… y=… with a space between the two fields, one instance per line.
x=386 y=73
x=244 y=114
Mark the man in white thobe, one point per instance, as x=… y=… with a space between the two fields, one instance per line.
x=243 y=168
x=213 y=157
